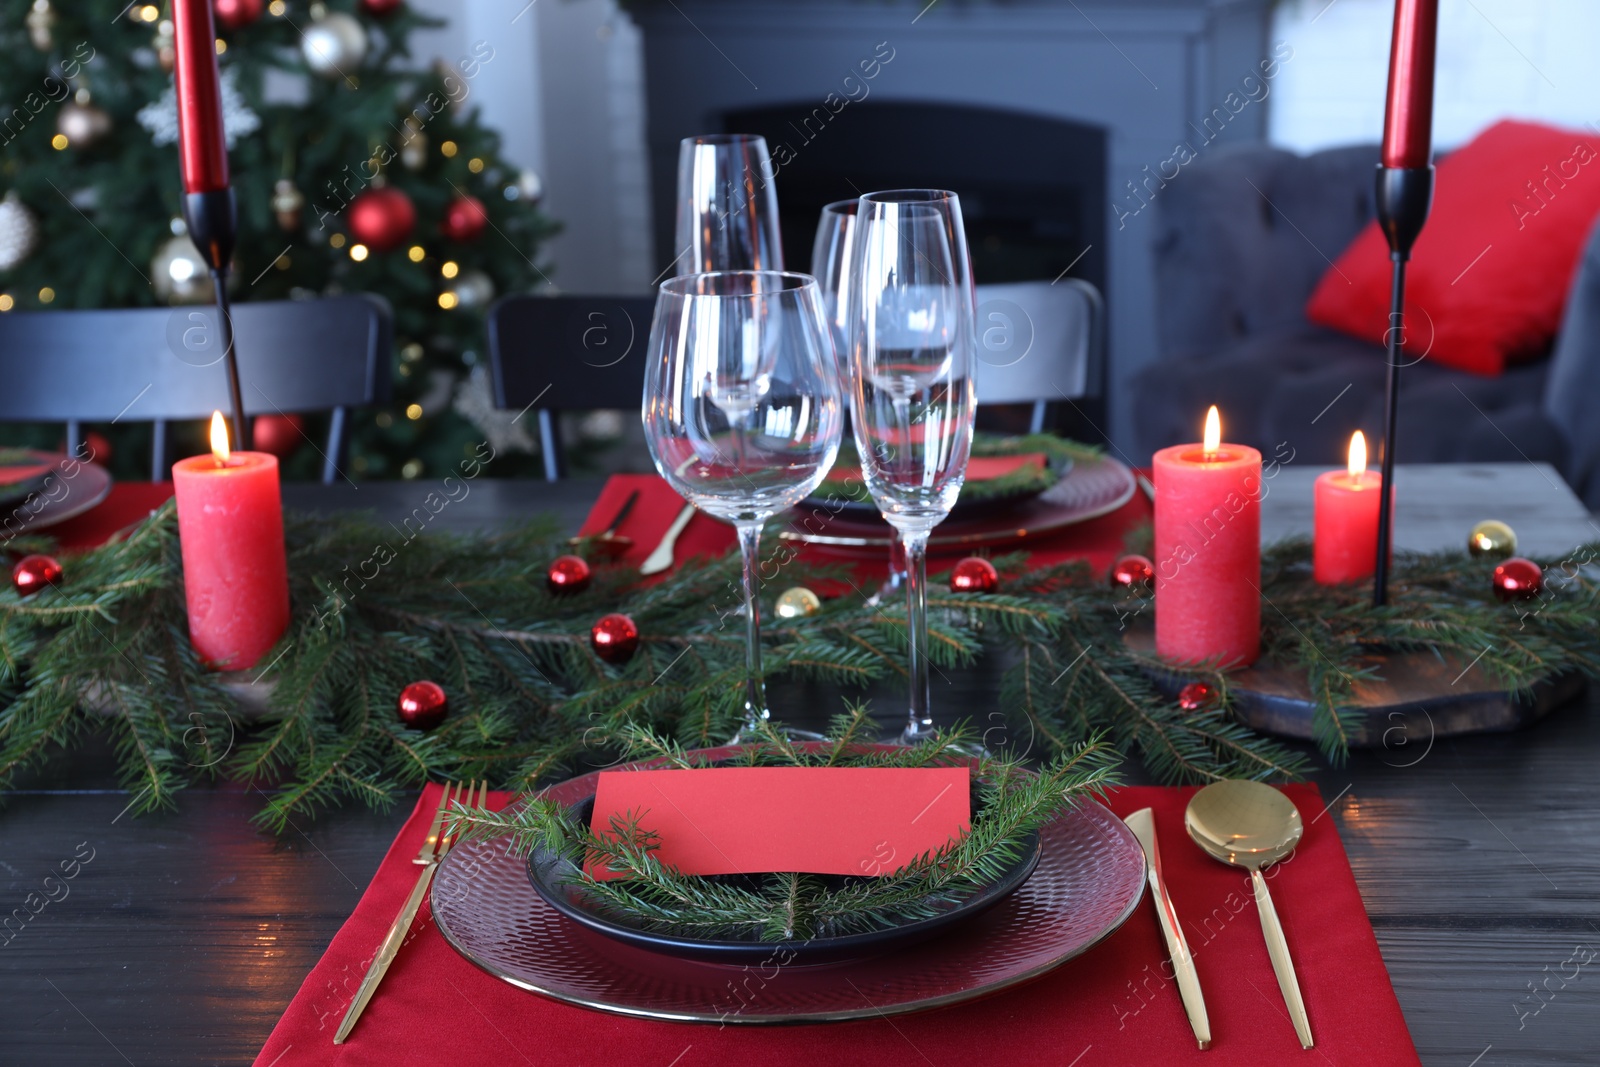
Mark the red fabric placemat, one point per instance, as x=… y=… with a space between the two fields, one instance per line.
x=127 y=504
x=1099 y=541
x=1111 y=1006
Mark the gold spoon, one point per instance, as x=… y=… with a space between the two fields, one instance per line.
x=1252 y=825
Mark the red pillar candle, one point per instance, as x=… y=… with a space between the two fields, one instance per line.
x=1346 y=520
x=230 y=528
x=1408 y=115
x=1208 y=551
x=202 y=149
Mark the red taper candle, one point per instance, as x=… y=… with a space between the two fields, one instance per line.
x=1408 y=117
x=202 y=148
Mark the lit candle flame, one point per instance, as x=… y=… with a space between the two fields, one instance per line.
x=219 y=439
x=1357 y=465
x=1213 y=437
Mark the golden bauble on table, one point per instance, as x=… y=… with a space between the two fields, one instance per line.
x=1492 y=539
x=797 y=603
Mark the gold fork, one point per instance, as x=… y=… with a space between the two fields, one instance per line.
x=434 y=848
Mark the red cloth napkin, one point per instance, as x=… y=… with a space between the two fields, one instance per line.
x=1099 y=541
x=127 y=504
x=1111 y=1006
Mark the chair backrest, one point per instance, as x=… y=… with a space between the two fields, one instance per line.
x=160 y=364
x=564 y=353
x=1040 y=342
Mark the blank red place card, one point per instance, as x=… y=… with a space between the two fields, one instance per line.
x=814 y=820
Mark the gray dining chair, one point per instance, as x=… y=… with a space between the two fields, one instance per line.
x=1040 y=343
x=163 y=364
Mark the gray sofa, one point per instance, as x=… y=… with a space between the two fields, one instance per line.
x=1235 y=265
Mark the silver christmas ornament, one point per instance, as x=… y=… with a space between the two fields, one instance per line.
x=528 y=186
x=334 y=45
x=19 y=231
x=41 y=21
x=473 y=288
x=179 y=274
x=82 y=124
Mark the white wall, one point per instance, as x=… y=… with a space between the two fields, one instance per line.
x=1496 y=58
x=565 y=91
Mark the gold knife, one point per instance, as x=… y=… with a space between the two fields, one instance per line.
x=1142 y=823
x=660 y=557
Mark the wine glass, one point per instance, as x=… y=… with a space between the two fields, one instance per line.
x=913 y=342
x=743 y=411
x=727 y=205
x=832 y=254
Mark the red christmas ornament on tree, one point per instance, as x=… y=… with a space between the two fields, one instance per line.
x=1196 y=696
x=279 y=435
x=974 y=575
x=237 y=14
x=94 y=448
x=568 y=574
x=423 y=705
x=464 y=219
x=380 y=8
x=381 y=218
x=1131 y=571
x=615 y=638
x=1518 y=579
x=33 y=573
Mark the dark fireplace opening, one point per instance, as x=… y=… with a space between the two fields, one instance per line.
x=1032 y=187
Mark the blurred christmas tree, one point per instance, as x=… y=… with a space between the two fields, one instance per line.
x=355 y=171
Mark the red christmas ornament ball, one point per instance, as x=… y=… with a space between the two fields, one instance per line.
x=33 y=573
x=423 y=705
x=93 y=448
x=278 y=434
x=615 y=638
x=464 y=219
x=974 y=575
x=1518 y=579
x=380 y=8
x=381 y=219
x=237 y=14
x=1132 y=570
x=568 y=574
x=1195 y=696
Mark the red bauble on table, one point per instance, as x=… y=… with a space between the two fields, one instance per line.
x=568 y=574
x=1133 y=571
x=423 y=705
x=1518 y=579
x=1196 y=696
x=279 y=435
x=33 y=573
x=464 y=219
x=381 y=219
x=380 y=8
x=237 y=14
x=615 y=638
x=974 y=575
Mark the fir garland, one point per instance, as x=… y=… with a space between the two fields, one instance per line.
x=531 y=700
x=1012 y=803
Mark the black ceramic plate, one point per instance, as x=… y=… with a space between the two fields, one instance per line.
x=966 y=505
x=550 y=874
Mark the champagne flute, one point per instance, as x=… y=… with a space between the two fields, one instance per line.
x=832 y=254
x=743 y=411
x=913 y=342
x=727 y=205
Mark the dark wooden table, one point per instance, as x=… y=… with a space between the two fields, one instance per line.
x=184 y=936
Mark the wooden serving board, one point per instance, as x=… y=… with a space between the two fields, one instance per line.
x=1420 y=697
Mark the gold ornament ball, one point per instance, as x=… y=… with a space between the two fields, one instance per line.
x=798 y=602
x=178 y=273
x=1492 y=539
x=334 y=45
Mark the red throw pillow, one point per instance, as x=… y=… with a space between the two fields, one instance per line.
x=1490 y=273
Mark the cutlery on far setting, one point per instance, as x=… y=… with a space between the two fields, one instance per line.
x=660 y=557
x=607 y=541
x=1252 y=825
x=434 y=847
x=1142 y=823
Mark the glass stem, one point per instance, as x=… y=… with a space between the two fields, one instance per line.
x=919 y=727
x=755 y=703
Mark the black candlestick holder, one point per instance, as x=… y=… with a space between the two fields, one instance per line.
x=1404 y=197
x=213 y=225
